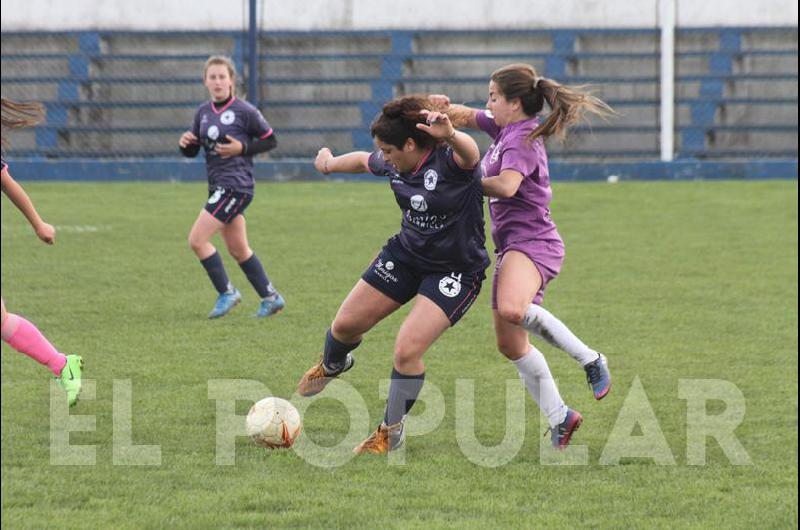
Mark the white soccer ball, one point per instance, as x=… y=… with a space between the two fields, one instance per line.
x=273 y=422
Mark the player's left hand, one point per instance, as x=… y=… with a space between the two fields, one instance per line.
x=438 y=124
x=232 y=148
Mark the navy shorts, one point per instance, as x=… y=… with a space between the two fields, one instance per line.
x=453 y=292
x=224 y=204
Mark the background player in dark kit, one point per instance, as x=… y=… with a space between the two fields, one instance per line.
x=231 y=132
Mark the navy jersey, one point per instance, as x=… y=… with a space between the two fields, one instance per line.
x=442 y=205
x=242 y=121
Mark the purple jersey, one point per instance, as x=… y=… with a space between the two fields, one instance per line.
x=526 y=215
x=242 y=121
x=442 y=204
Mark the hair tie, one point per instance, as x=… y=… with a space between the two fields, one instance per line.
x=536 y=81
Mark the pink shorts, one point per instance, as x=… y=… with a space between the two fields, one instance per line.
x=547 y=256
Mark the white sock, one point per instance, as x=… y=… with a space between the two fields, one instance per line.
x=535 y=373
x=543 y=324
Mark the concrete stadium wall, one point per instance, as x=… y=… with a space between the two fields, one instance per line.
x=55 y=15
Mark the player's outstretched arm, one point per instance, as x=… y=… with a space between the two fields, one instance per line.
x=355 y=162
x=17 y=195
x=460 y=115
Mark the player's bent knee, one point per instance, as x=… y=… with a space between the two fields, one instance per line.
x=511 y=313
x=240 y=254
x=196 y=243
x=347 y=329
x=408 y=352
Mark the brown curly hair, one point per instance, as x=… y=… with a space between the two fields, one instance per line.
x=398 y=121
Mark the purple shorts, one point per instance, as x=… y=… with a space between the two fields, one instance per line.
x=547 y=256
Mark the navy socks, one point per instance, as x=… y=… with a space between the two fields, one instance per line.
x=216 y=271
x=254 y=271
x=335 y=352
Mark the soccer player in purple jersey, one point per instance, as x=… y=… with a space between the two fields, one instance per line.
x=529 y=249
x=18 y=332
x=439 y=255
x=231 y=132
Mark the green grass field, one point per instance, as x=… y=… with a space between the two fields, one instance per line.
x=690 y=280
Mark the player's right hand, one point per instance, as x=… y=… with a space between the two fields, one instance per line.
x=46 y=232
x=440 y=102
x=324 y=156
x=437 y=124
x=187 y=139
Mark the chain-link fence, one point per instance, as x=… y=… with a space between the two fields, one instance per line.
x=120 y=94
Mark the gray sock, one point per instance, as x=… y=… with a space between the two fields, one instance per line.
x=543 y=324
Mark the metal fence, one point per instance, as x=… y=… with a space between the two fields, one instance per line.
x=131 y=94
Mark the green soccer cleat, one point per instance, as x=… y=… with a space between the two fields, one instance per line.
x=70 y=378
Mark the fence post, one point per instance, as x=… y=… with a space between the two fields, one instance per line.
x=667 y=16
x=252 y=56
x=555 y=65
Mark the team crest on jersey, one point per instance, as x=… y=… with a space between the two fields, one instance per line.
x=227 y=117
x=431 y=178
x=418 y=203
x=213 y=132
x=450 y=286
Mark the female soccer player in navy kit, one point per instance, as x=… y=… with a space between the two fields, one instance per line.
x=18 y=332
x=439 y=255
x=529 y=249
x=231 y=131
